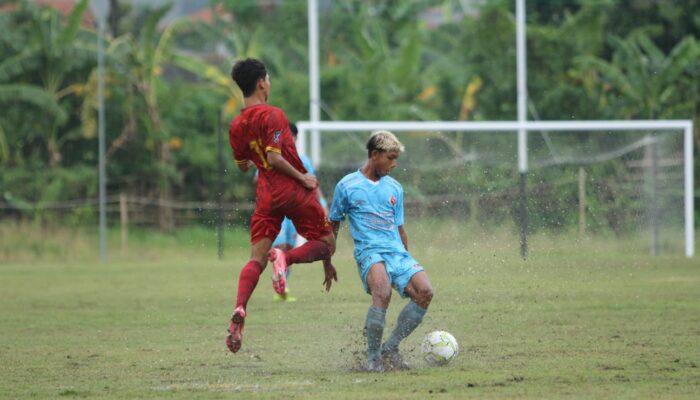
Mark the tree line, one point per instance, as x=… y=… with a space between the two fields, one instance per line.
x=168 y=91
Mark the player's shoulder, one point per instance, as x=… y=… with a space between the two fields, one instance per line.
x=393 y=183
x=237 y=128
x=236 y=122
x=351 y=179
x=272 y=110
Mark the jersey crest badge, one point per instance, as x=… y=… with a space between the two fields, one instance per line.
x=277 y=136
x=392 y=200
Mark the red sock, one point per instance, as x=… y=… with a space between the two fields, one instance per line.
x=247 y=282
x=310 y=251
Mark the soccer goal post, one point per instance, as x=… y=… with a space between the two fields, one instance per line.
x=310 y=142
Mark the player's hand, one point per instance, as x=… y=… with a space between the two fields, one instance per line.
x=330 y=273
x=309 y=181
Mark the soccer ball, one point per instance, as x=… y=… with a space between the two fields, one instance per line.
x=439 y=348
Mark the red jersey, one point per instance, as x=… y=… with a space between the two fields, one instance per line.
x=257 y=130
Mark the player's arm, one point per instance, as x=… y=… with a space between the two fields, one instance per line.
x=278 y=162
x=330 y=274
x=244 y=165
x=339 y=208
x=336 y=227
x=404 y=236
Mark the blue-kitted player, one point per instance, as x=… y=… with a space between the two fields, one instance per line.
x=288 y=238
x=373 y=203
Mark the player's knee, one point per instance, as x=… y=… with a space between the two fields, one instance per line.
x=381 y=296
x=424 y=296
x=261 y=259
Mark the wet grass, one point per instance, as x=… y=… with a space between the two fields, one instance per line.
x=577 y=319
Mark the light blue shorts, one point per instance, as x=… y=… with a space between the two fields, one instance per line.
x=400 y=268
x=287 y=235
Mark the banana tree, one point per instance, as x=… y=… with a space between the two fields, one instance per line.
x=641 y=81
x=47 y=69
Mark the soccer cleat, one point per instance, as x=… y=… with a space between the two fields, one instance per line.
x=393 y=360
x=375 y=365
x=279 y=269
x=235 y=330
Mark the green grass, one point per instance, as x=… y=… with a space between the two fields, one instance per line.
x=590 y=319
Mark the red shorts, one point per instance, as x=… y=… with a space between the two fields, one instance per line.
x=296 y=203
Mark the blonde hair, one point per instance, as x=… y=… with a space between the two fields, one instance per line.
x=383 y=141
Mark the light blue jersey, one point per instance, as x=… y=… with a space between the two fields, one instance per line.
x=307 y=164
x=375 y=212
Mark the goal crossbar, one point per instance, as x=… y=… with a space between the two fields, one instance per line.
x=513 y=126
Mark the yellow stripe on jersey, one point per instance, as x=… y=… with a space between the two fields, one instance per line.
x=273 y=149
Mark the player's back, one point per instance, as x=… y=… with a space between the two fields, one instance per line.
x=260 y=129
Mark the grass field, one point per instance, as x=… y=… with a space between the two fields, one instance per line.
x=589 y=319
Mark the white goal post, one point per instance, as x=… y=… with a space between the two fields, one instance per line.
x=514 y=126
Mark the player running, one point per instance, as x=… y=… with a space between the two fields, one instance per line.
x=373 y=202
x=260 y=136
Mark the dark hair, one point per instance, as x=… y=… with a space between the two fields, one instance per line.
x=246 y=74
x=294 y=129
x=372 y=145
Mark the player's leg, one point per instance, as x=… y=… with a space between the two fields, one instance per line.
x=410 y=280
x=263 y=228
x=290 y=240
x=285 y=241
x=420 y=291
x=247 y=281
x=311 y=222
x=250 y=274
x=378 y=285
x=321 y=248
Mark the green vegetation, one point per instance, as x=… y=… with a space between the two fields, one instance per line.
x=594 y=319
x=168 y=91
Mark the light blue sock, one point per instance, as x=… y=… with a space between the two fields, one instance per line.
x=374 y=329
x=409 y=318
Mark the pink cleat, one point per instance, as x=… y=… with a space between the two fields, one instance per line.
x=235 y=330
x=279 y=270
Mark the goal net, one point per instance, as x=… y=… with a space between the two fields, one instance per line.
x=629 y=180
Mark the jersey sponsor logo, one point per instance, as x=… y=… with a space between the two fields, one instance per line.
x=393 y=200
x=277 y=136
x=417 y=266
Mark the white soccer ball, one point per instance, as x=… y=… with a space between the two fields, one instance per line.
x=439 y=348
